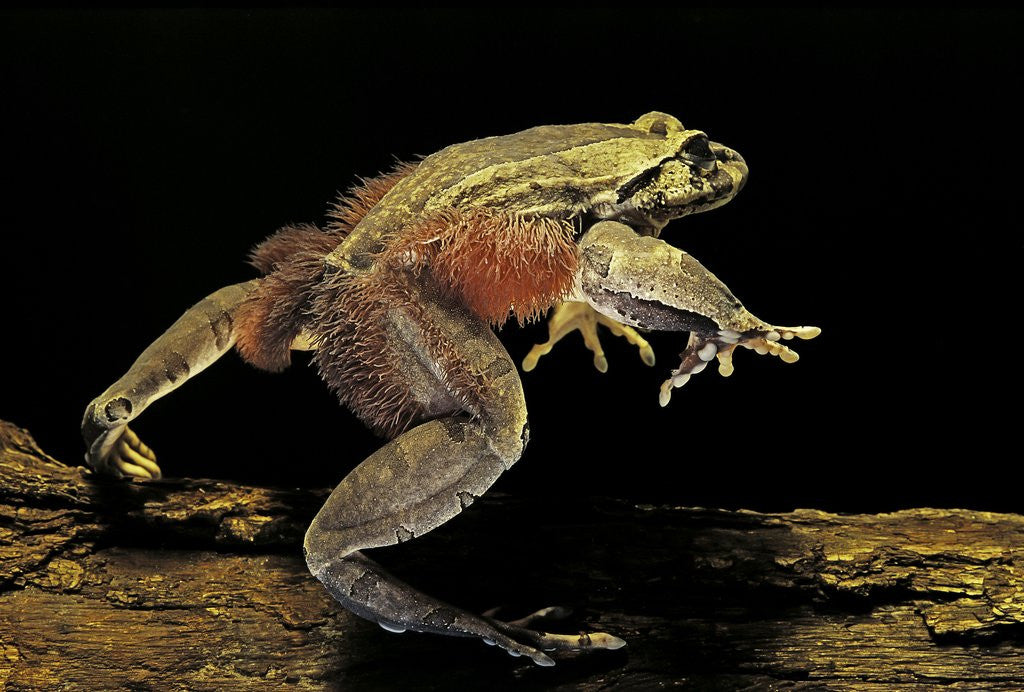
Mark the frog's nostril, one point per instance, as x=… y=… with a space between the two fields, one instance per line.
x=732 y=160
x=725 y=154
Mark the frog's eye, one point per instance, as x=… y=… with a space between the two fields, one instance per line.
x=697 y=152
x=699 y=148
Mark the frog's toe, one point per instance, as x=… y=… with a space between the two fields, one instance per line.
x=131 y=457
x=629 y=334
x=769 y=342
x=546 y=641
x=805 y=333
x=695 y=357
x=702 y=349
x=571 y=316
x=519 y=638
x=579 y=642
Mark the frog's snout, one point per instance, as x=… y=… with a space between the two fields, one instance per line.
x=731 y=160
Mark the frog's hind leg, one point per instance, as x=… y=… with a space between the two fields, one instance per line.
x=427 y=475
x=198 y=338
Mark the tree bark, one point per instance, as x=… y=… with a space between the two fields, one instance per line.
x=201 y=584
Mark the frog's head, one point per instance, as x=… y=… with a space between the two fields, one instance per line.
x=691 y=174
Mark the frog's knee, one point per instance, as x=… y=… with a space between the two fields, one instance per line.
x=502 y=411
x=522 y=438
x=338 y=572
x=507 y=431
x=329 y=538
x=312 y=549
x=509 y=440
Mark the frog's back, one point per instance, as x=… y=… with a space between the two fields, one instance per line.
x=532 y=171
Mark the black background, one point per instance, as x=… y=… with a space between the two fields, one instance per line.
x=145 y=152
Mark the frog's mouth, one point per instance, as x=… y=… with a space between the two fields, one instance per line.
x=715 y=181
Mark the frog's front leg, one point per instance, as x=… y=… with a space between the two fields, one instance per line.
x=645 y=282
x=426 y=476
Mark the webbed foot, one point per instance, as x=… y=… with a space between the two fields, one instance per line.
x=571 y=316
x=534 y=643
x=701 y=349
x=522 y=632
x=371 y=592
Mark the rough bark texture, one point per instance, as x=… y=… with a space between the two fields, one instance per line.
x=201 y=585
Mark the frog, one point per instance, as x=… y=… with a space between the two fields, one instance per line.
x=397 y=298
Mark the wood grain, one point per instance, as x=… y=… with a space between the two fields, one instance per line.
x=198 y=584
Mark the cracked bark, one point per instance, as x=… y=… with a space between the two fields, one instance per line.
x=201 y=585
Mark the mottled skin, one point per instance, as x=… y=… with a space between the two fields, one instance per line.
x=622 y=184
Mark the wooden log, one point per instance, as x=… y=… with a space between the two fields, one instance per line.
x=200 y=584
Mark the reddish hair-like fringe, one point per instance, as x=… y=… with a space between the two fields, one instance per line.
x=495 y=262
x=292 y=259
x=289 y=241
x=351 y=207
x=356 y=357
x=275 y=313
